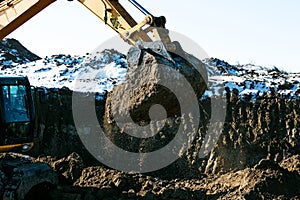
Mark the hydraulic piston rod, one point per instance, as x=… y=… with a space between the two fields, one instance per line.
x=141 y=8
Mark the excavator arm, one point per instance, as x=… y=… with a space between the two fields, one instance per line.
x=14 y=13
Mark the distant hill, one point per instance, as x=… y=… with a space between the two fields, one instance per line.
x=12 y=52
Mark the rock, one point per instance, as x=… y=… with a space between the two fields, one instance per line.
x=291 y=163
x=70 y=167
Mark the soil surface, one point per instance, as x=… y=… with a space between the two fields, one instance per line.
x=256 y=157
x=266 y=180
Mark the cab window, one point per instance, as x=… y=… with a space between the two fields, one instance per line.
x=15 y=103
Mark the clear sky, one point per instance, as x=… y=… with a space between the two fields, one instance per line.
x=263 y=32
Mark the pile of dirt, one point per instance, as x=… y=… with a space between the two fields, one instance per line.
x=69 y=167
x=266 y=180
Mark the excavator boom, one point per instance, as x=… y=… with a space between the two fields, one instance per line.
x=14 y=13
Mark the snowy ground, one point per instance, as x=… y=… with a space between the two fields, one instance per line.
x=100 y=71
x=251 y=79
x=90 y=73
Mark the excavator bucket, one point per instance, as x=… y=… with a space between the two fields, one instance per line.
x=159 y=70
x=156 y=75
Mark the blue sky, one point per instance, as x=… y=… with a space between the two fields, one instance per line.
x=260 y=32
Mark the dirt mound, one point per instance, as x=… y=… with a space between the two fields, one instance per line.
x=69 y=167
x=266 y=180
x=133 y=186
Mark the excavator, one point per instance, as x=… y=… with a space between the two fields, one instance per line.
x=17 y=116
x=14 y=13
x=150 y=33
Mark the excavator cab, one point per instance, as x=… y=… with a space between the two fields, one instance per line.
x=16 y=114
